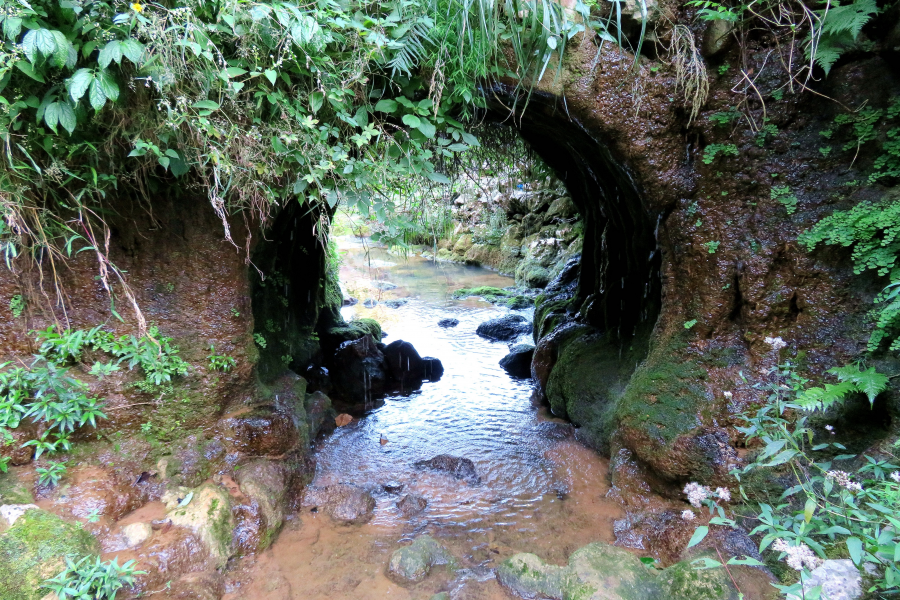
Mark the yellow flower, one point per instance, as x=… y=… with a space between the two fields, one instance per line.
x=138 y=7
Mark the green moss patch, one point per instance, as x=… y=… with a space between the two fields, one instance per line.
x=510 y=299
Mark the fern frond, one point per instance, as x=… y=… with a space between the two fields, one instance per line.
x=850 y=18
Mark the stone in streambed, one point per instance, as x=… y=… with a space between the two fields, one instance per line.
x=396 y=302
x=603 y=572
x=412 y=563
x=448 y=323
x=207 y=514
x=411 y=504
x=504 y=328
x=518 y=362
x=459 y=468
x=264 y=482
x=135 y=534
x=343 y=502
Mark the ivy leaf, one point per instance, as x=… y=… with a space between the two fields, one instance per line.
x=111 y=52
x=67 y=116
x=698 y=536
x=411 y=120
x=79 y=82
x=109 y=85
x=96 y=97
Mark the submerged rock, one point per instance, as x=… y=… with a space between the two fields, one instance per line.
x=518 y=362
x=460 y=468
x=412 y=563
x=370 y=303
x=343 y=502
x=411 y=504
x=396 y=302
x=358 y=370
x=603 y=572
x=504 y=328
x=205 y=585
x=448 y=322
x=34 y=549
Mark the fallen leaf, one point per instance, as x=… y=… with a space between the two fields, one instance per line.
x=343 y=419
x=384 y=440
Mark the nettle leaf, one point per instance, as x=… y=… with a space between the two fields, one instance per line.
x=109 y=85
x=61 y=52
x=12 y=27
x=79 y=82
x=37 y=43
x=112 y=51
x=51 y=115
x=133 y=50
x=96 y=97
x=67 y=116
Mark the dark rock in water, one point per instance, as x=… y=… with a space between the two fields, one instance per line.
x=350 y=301
x=448 y=322
x=460 y=468
x=396 y=302
x=410 y=505
x=434 y=368
x=518 y=362
x=392 y=487
x=384 y=285
x=359 y=371
x=404 y=363
x=343 y=502
x=370 y=303
x=505 y=328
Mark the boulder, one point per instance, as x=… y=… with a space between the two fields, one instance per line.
x=135 y=534
x=345 y=503
x=10 y=513
x=561 y=209
x=207 y=515
x=172 y=553
x=265 y=483
x=518 y=362
x=358 y=370
x=411 y=504
x=319 y=412
x=603 y=572
x=260 y=431
x=840 y=580
x=505 y=328
x=396 y=302
x=433 y=367
x=448 y=322
x=412 y=563
x=404 y=364
x=459 y=468
x=716 y=38
x=34 y=550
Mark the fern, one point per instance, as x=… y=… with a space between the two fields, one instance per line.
x=410 y=46
x=839 y=28
x=852 y=380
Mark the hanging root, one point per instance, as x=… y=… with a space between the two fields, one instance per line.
x=690 y=70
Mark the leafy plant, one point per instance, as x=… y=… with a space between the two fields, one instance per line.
x=838 y=30
x=91 y=578
x=52 y=473
x=711 y=246
x=17 y=305
x=785 y=196
x=713 y=150
x=689 y=324
x=259 y=339
x=725 y=117
x=219 y=362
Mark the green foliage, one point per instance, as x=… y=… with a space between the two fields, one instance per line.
x=713 y=150
x=90 y=578
x=872 y=230
x=689 y=324
x=725 y=117
x=853 y=380
x=156 y=355
x=260 y=340
x=52 y=473
x=838 y=29
x=785 y=196
x=219 y=362
x=767 y=130
x=711 y=246
x=17 y=305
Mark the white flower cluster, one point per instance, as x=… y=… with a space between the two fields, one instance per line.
x=842 y=478
x=697 y=493
x=896 y=476
x=687 y=515
x=777 y=343
x=798 y=556
x=727 y=395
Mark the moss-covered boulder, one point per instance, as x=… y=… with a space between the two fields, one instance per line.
x=265 y=482
x=208 y=514
x=412 y=563
x=603 y=572
x=34 y=550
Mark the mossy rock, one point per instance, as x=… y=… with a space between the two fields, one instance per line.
x=486 y=292
x=34 y=550
x=683 y=581
x=208 y=515
x=412 y=563
x=13 y=491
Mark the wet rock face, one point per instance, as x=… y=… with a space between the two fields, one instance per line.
x=448 y=322
x=91 y=490
x=206 y=585
x=172 y=552
x=260 y=431
x=411 y=505
x=206 y=511
x=412 y=563
x=459 y=468
x=345 y=503
x=518 y=362
x=504 y=329
x=359 y=370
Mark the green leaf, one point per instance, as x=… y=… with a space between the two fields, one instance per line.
x=112 y=51
x=96 y=97
x=698 y=536
x=855 y=546
x=426 y=127
x=29 y=70
x=361 y=117
x=235 y=71
x=109 y=85
x=51 y=116
x=271 y=75
x=315 y=101
x=79 y=82
x=61 y=52
x=133 y=50
x=386 y=106
x=809 y=509
x=67 y=117
x=206 y=104
x=411 y=120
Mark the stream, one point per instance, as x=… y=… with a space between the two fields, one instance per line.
x=541 y=491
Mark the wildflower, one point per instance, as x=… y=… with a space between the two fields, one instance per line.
x=777 y=343
x=723 y=494
x=696 y=493
x=798 y=556
x=687 y=515
x=137 y=7
x=896 y=476
x=842 y=478
x=830 y=429
x=727 y=395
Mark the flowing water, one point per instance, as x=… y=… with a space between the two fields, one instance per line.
x=541 y=491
